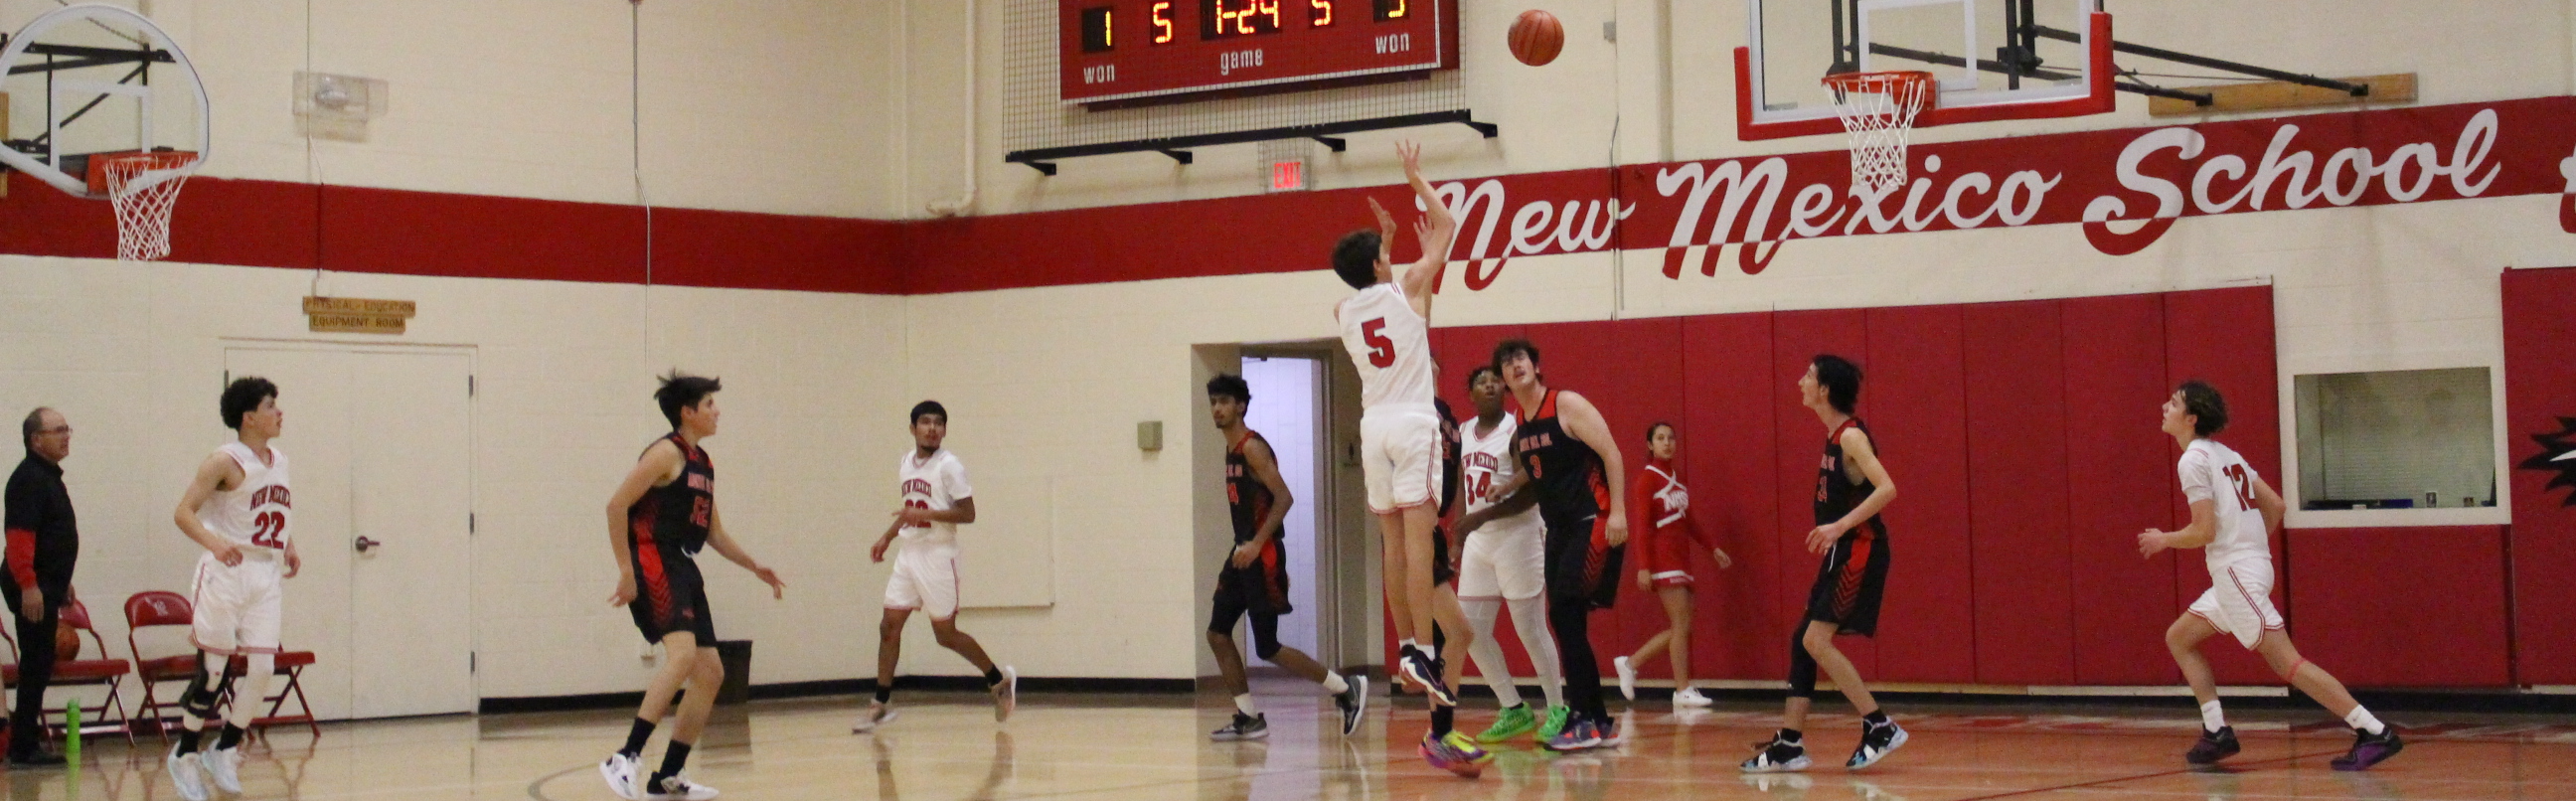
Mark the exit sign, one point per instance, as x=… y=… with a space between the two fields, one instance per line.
x=1288 y=176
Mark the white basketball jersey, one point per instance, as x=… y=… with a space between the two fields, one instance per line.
x=254 y=513
x=936 y=483
x=1390 y=344
x=2213 y=472
x=1486 y=462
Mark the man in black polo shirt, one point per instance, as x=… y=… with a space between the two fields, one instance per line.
x=43 y=543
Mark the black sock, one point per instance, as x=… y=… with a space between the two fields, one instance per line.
x=674 y=758
x=230 y=738
x=1522 y=705
x=1875 y=718
x=885 y=693
x=635 y=737
x=188 y=741
x=1792 y=735
x=993 y=677
x=1442 y=718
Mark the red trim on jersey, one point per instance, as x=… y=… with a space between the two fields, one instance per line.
x=1847 y=589
x=648 y=564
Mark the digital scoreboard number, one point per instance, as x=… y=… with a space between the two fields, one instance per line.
x=1129 y=49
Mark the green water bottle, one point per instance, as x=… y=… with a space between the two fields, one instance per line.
x=71 y=740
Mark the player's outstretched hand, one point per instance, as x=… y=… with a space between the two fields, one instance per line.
x=1411 y=153
x=625 y=592
x=777 y=587
x=1385 y=221
x=1822 y=538
x=1723 y=561
x=2150 y=543
x=226 y=553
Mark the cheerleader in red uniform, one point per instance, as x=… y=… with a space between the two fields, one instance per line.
x=1667 y=535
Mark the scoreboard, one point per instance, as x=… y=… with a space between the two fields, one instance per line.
x=1125 y=49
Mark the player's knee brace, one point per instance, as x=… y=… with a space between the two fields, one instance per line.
x=199 y=699
x=1802 y=667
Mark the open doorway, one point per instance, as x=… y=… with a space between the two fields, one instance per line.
x=1288 y=394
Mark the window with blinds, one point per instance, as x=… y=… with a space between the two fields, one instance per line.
x=2403 y=439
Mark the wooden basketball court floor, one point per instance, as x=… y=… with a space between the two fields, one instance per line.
x=946 y=747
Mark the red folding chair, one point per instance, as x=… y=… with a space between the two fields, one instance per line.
x=147 y=610
x=290 y=666
x=109 y=715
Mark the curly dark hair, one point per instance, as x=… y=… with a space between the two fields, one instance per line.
x=242 y=397
x=2202 y=401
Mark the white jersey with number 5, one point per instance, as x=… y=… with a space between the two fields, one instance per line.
x=2213 y=472
x=254 y=513
x=1390 y=344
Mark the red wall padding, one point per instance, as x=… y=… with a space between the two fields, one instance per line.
x=1913 y=395
x=2119 y=481
x=1730 y=437
x=2540 y=390
x=2402 y=607
x=2017 y=493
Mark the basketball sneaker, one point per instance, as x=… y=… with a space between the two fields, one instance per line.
x=1424 y=672
x=2213 y=746
x=2370 y=749
x=1578 y=734
x=1778 y=756
x=1689 y=696
x=1627 y=677
x=679 y=788
x=1614 y=731
x=1006 y=694
x=1455 y=753
x=1877 y=740
x=619 y=770
x=1513 y=721
x=879 y=713
x=1353 y=701
x=187 y=774
x=223 y=767
x=1549 y=726
x=1243 y=727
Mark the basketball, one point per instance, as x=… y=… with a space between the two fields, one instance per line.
x=66 y=642
x=1537 y=37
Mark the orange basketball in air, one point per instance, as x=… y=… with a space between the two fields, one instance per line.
x=1537 y=37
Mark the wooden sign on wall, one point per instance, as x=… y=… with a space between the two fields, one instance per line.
x=358 y=315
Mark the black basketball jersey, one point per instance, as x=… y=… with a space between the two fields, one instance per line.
x=675 y=516
x=1449 y=464
x=1245 y=495
x=1566 y=471
x=1836 y=493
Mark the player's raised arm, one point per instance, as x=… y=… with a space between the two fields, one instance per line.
x=660 y=463
x=1436 y=231
x=215 y=473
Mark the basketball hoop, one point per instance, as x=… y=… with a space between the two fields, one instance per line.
x=144 y=188
x=1878 y=110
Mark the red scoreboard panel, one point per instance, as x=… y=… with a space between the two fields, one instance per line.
x=1122 y=49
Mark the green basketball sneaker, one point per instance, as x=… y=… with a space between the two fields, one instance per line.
x=1514 y=721
x=1554 y=723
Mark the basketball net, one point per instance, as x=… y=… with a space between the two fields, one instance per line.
x=1878 y=110
x=144 y=188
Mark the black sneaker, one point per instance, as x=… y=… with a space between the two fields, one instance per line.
x=38 y=759
x=1244 y=727
x=2213 y=746
x=1425 y=671
x=1353 y=702
x=2370 y=749
x=1777 y=756
x=1877 y=740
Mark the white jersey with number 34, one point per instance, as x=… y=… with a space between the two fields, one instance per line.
x=2214 y=472
x=254 y=513
x=1390 y=344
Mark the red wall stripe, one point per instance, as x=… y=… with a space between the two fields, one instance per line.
x=2017 y=419
x=1914 y=397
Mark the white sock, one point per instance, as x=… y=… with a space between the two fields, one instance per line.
x=1334 y=684
x=2361 y=719
x=1529 y=620
x=1243 y=703
x=1487 y=652
x=2210 y=718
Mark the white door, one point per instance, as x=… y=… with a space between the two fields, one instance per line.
x=381 y=440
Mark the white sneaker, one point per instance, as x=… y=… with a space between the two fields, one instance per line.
x=878 y=714
x=679 y=788
x=187 y=774
x=619 y=770
x=1627 y=677
x=223 y=765
x=1006 y=695
x=1689 y=696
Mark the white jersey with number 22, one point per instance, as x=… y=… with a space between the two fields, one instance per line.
x=253 y=514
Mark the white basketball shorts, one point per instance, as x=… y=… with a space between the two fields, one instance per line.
x=2239 y=600
x=238 y=607
x=925 y=578
x=1505 y=560
x=1400 y=452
